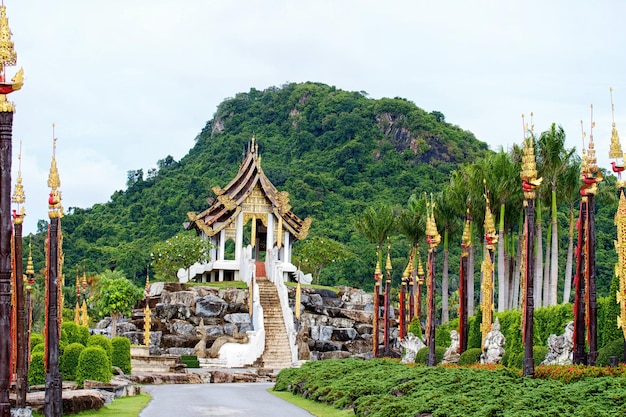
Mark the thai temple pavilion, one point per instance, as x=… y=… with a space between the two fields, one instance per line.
x=250 y=220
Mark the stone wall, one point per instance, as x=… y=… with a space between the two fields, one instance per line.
x=335 y=325
x=331 y=325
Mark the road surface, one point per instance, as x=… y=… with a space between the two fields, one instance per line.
x=219 y=400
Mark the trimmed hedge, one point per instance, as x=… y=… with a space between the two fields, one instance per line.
x=102 y=341
x=121 y=354
x=422 y=354
x=36 y=371
x=615 y=348
x=190 y=360
x=73 y=333
x=35 y=339
x=470 y=356
x=40 y=347
x=69 y=361
x=93 y=364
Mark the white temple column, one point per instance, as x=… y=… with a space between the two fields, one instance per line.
x=287 y=246
x=269 y=241
x=239 y=237
x=222 y=243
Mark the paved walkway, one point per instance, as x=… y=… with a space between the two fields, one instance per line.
x=219 y=400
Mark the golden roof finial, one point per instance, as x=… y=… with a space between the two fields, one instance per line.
x=388 y=264
x=466 y=239
x=432 y=235
x=54 y=182
x=529 y=166
x=491 y=238
x=30 y=269
x=420 y=268
x=8 y=57
x=18 y=193
x=615 y=151
x=591 y=152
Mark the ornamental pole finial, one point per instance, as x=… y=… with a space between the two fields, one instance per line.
x=530 y=182
x=54 y=182
x=615 y=151
x=19 y=197
x=8 y=57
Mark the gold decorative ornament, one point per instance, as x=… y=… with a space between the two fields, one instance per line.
x=54 y=182
x=530 y=182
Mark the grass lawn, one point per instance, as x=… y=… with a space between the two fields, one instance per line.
x=121 y=407
x=224 y=284
x=313 y=407
x=317 y=287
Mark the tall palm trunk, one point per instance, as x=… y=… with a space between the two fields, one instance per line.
x=567 y=288
x=470 y=282
x=546 y=269
x=538 y=258
x=444 y=280
x=503 y=290
x=554 y=262
x=517 y=273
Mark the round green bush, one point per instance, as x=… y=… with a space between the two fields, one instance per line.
x=422 y=354
x=94 y=365
x=38 y=348
x=82 y=335
x=615 y=348
x=35 y=339
x=415 y=327
x=69 y=361
x=121 y=353
x=470 y=356
x=69 y=329
x=516 y=360
x=36 y=371
x=102 y=341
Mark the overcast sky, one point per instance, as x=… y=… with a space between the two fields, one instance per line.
x=128 y=82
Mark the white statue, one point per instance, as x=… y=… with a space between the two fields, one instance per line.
x=560 y=348
x=493 y=345
x=452 y=353
x=411 y=344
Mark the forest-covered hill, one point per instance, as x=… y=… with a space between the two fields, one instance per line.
x=334 y=151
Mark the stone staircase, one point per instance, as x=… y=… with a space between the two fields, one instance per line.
x=277 y=354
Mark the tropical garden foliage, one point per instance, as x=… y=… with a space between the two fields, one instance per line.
x=347 y=159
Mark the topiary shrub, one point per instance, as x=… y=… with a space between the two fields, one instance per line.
x=102 y=341
x=539 y=354
x=121 y=354
x=474 y=335
x=415 y=327
x=35 y=339
x=422 y=354
x=69 y=361
x=190 y=360
x=36 y=371
x=69 y=331
x=82 y=335
x=615 y=348
x=93 y=364
x=516 y=360
x=470 y=357
x=38 y=348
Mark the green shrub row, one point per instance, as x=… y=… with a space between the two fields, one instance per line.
x=386 y=388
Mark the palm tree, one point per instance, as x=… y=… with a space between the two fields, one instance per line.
x=448 y=215
x=553 y=159
x=569 y=193
x=502 y=183
x=375 y=224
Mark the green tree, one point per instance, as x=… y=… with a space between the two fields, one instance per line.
x=317 y=252
x=180 y=251
x=115 y=296
x=376 y=224
x=553 y=159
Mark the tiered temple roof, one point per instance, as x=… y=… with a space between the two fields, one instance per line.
x=230 y=199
